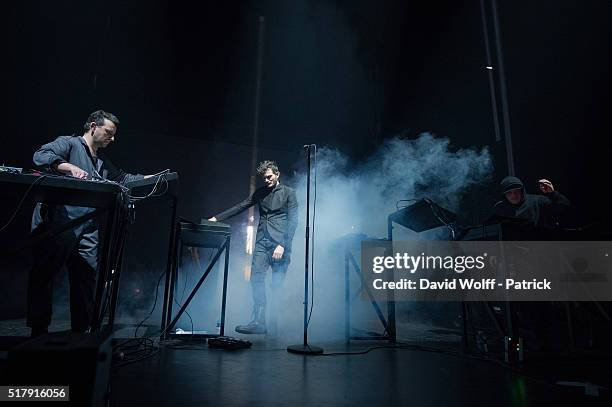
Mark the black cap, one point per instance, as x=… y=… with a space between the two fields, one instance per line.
x=510 y=183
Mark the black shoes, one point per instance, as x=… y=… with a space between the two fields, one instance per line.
x=257 y=325
x=252 y=327
x=38 y=331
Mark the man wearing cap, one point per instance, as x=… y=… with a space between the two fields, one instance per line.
x=540 y=210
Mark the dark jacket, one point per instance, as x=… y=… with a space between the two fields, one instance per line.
x=278 y=209
x=540 y=210
x=73 y=149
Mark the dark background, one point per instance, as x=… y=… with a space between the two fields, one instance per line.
x=335 y=72
x=348 y=74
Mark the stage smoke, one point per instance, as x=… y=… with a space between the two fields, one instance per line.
x=352 y=199
x=355 y=199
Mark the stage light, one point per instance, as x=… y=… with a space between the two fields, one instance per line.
x=249 y=240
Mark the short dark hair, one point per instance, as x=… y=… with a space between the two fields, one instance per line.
x=98 y=116
x=265 y=165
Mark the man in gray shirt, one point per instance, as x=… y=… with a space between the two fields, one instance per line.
x=77 y=249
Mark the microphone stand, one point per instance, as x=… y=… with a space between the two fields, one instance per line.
x=305 y=348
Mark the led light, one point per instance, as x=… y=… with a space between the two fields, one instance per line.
x=490 y=68
x=249 y=240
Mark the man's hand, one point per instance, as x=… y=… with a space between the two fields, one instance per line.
x=213 y=219
x=546 y=186
x=278 y=252
x=72 y=170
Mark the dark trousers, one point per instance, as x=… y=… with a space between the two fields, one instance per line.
x=79 y=253
x=262 y=260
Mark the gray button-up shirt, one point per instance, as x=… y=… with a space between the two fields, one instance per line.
x=74 y=150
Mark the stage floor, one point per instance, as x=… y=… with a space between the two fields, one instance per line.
x=267 y=375
x=431 y=373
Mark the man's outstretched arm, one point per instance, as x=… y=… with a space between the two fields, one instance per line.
x=235 y=210
x=118 y=175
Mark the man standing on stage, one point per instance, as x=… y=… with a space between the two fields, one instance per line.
x=78 y=157
x=278 y=210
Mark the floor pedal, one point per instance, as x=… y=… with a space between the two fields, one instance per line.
x=228 y=342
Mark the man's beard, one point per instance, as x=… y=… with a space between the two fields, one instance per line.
x=103 y=144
